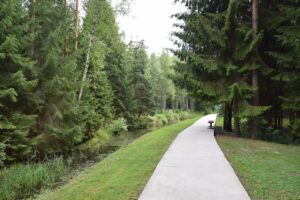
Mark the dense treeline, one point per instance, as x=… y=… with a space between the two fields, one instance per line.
x=245 y=56
x=61 y=81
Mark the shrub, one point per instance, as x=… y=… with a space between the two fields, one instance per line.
x=296 y=128
x=184 y=115
x=118 y=126
x=22 y=181
x=154 y=122
x=162 y=118
x=172 y=117
x=93 y=146
x=274 y=135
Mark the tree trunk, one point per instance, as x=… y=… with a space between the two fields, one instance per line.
x=254 y=72
x=87 y=61
x=76 y=25
x=187 y=103
x=192 y=104
x=32 y=51
x=66 y=39
x=236 y=118
x=86 y=68
x=164 y=102
x=227 y=123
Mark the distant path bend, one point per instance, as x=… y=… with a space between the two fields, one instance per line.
x=194 y=168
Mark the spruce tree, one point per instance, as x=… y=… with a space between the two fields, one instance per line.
x=141 y=87
x=17 y=82
x=58 y=125
x=216 y=49
x=286 y=23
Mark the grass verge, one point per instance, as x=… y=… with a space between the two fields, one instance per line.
x=268 y=171
x=124 y=173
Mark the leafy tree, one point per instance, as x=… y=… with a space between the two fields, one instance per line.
x=159 y=74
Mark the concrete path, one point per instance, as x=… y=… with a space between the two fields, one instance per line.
x=194 y=168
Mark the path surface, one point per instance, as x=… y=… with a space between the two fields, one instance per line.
x=194 y=168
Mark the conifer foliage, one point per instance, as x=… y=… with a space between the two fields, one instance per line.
x=233 y=55
x=17 y=82
x=64 y=77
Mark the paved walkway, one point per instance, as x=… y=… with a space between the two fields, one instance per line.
x=194 y=168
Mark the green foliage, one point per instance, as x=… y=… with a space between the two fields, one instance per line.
x=287 y=37
x=167 y=117
x=296 y=128
x=17 y=82
x=2 y=154
x=117 y=126
x=21 y=181
x=160 y=75
x=274 y=135
x=218 y=53
x=143 y=99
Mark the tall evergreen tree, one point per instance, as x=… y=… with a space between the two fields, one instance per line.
x=215 y=59
x=142 y=90
x=58 y=119
x=109 y=47
x=285 y=23
x=17 y=82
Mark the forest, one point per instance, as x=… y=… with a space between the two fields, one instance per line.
x=245 y=57
x=62 y=80
x=71 y=86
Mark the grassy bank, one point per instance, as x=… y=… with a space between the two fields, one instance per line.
x=124 y=173
x=21 y=181
x=268 y=171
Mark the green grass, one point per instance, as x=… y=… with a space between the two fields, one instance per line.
x=22 y=181
x=124 y=173
x=268 y=171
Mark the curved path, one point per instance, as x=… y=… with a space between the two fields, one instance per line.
x=194 y=168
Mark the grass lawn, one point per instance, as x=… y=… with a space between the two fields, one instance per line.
x=268 y=171
x=124 y=173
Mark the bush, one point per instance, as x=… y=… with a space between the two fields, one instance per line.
x=184 y=115
x=118 y=126
x=274 y=135
x=162 y=119
x=92 y=147
x=165 y=118
x=296 y=128
x=22 y=181
x=143 y=122
x=172 y=117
